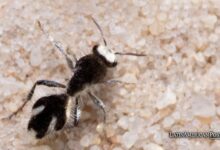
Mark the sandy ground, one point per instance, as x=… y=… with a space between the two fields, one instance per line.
x=177 y=84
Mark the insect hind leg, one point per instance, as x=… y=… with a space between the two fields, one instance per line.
x=77 y=112
x=73 y=113
x=48 y=83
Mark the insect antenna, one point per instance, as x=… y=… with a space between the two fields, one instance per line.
x=131 y=54
x=117 y=53
x=100 y=29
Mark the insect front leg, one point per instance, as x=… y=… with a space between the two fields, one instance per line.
x=48 y=83
x=69 y=61
x=59 y=46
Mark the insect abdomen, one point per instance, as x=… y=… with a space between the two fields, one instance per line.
x=48 y=114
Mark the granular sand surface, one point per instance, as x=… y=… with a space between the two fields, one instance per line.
x=177 y=85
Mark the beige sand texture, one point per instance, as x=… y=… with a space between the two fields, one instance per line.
x=177 y=85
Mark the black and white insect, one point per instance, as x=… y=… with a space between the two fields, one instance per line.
x=57 y=111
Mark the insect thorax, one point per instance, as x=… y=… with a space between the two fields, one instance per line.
x=89 y=70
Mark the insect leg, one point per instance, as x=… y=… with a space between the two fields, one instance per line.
x=113 y=81
x=59 y=46
x=48 y=83
x=77 y=112
x=98 y=102
x=30 y=94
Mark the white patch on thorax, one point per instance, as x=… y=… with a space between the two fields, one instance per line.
x=108 y=55
x=37 y=110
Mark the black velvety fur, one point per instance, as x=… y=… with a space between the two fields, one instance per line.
x=55 y=106
x=89 y=70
